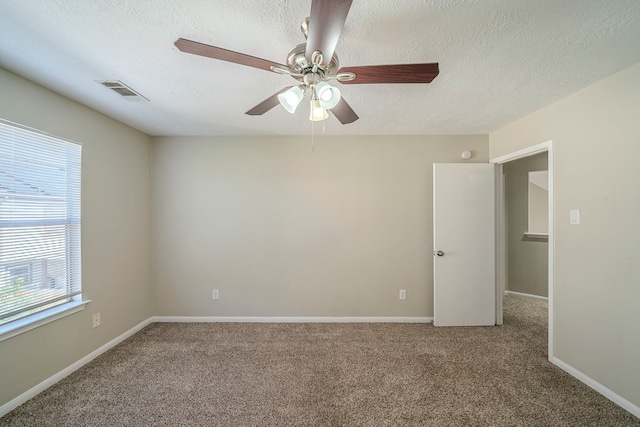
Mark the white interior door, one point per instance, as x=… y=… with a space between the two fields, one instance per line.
x=464 y=244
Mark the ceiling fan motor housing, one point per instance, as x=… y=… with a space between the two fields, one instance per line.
x=300 y=66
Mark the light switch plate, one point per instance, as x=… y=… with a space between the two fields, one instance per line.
x=574 y=216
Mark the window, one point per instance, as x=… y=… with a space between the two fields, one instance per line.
x=39 y=223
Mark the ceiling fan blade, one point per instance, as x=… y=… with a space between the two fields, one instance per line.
x=325 y=25
x=267 y=104
x=344 y=112
x=214 y=52
x=400 y=73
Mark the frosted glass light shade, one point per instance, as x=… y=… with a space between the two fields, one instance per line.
x=290 y=98
x=317 y=113
x=328 y=96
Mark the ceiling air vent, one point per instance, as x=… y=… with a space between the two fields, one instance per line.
x=122 y=89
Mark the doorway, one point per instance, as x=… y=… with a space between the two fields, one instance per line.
x=501 y=252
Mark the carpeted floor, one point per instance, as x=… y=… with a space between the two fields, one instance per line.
x=232 y=374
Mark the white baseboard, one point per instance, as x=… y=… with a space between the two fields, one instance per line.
x=14 y=403
x=520 y=294
x=615 y=398
x=291 y=319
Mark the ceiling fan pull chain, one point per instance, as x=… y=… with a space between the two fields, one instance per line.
x=313 y=146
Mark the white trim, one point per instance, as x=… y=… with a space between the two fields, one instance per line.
x=501 y=245
x=526 y=152
x=32 y=392
x=551 y=241
x=288 y=319
x=36 y=320
x=29 y=394
x=615 y=398
x=521 y=294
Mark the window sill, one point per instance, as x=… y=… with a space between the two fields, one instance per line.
x=18 y=327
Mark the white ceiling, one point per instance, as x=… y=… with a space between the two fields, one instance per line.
x=499 y=59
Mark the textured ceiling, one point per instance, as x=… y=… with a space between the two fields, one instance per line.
x=499 y=59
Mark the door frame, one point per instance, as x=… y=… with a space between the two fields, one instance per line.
x=501 y=234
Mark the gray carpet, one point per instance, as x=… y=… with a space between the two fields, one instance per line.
x=232 y=374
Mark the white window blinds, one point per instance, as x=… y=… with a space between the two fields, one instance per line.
x=39 y=221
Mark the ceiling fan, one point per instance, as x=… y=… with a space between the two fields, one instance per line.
x=314 y=63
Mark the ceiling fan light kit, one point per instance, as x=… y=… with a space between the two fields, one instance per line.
x=328 y=96
x=314 y=63
x=291 y=98
x=317 y=113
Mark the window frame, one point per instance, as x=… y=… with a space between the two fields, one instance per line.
x=74 y=301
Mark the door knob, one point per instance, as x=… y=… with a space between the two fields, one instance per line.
x=440 y=253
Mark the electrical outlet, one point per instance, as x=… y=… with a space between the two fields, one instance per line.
x=216 y=294
x=96 y=320
x=403 y=294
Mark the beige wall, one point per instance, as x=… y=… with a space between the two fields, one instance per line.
x=596 y=146
x=527 y=259
x=283 y=231
x=116 y=176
